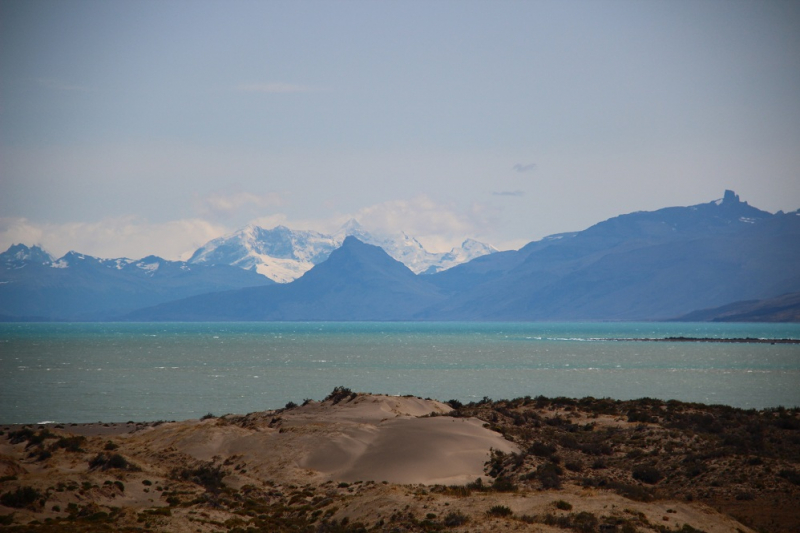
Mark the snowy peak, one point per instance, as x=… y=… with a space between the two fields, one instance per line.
x=283 y=254
x=280 y=254
x=19 y=255
x=352 y=227
x=148 y=265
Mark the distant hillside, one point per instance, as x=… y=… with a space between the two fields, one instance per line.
x=34 y=286
x=784 y=308
x=640 y=266
x=644 y=265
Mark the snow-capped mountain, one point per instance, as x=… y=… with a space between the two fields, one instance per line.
x=283 y=254
x=280 y=254
x=35 y=285
x=19 y=256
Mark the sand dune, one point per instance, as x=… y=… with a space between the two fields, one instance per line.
x=370 y=438
x=429 y=451
x=381 y=461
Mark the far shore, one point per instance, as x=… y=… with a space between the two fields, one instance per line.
x=744 y=340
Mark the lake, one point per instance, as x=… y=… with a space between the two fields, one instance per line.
x=116 y=372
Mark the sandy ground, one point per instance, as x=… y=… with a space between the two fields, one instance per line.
x=371 y=459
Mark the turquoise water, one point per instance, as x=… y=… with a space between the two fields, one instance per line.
x=118 y=372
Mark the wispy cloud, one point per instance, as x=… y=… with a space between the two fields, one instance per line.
x=125 y=236
x=439 y=226
x=508 y=193
x=273 y=88
x=519 y=167
x=221 y=205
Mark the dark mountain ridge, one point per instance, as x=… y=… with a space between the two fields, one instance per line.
x=784 y=308
x=358 y=282
x=644 y=265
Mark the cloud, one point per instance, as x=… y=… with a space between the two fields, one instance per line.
x=223 y=206
x=113 y=237
x=508 y=193
x=439 y=226
x=277 y=219
x=273 y=88
x=519 y=167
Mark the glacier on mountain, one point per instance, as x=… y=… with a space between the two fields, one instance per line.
x=283 y=254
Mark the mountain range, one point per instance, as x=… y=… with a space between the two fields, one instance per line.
x=359 y=281
x=283 y=254
x=639 y=266
x=644 y=265
x=35 y=286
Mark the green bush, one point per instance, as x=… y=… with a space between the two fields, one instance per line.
x=455 y=518
x=647 y=474
x=574 y=466
x=20 y=498
x=585 y=521
x=638 y=416
x=541 y=449
x=71 y=444
x=500 y=511
x=206 y=475
x=564 y=506
x=790 y=475
x=549 y=474
x=108 y=462
x=44 y=455
x=632 y=492
x=340 y=393
x=455 y=404
x=504 y=484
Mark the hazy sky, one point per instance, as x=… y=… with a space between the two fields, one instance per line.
x=137 y=127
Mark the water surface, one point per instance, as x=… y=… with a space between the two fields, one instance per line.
x=171 y=371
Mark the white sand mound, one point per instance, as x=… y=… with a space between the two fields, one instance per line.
x=440 y=450
x=369 y=438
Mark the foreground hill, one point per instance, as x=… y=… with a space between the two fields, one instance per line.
x=358 y=282
x=34 y=285
x=357 y=462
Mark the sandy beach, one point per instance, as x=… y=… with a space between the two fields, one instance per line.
x=354 y=461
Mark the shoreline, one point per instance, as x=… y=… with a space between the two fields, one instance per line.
x=735 y=340
x=100 y=428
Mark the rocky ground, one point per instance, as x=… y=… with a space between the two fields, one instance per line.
x=357 y=462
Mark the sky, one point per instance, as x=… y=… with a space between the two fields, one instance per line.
x=130 y=128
